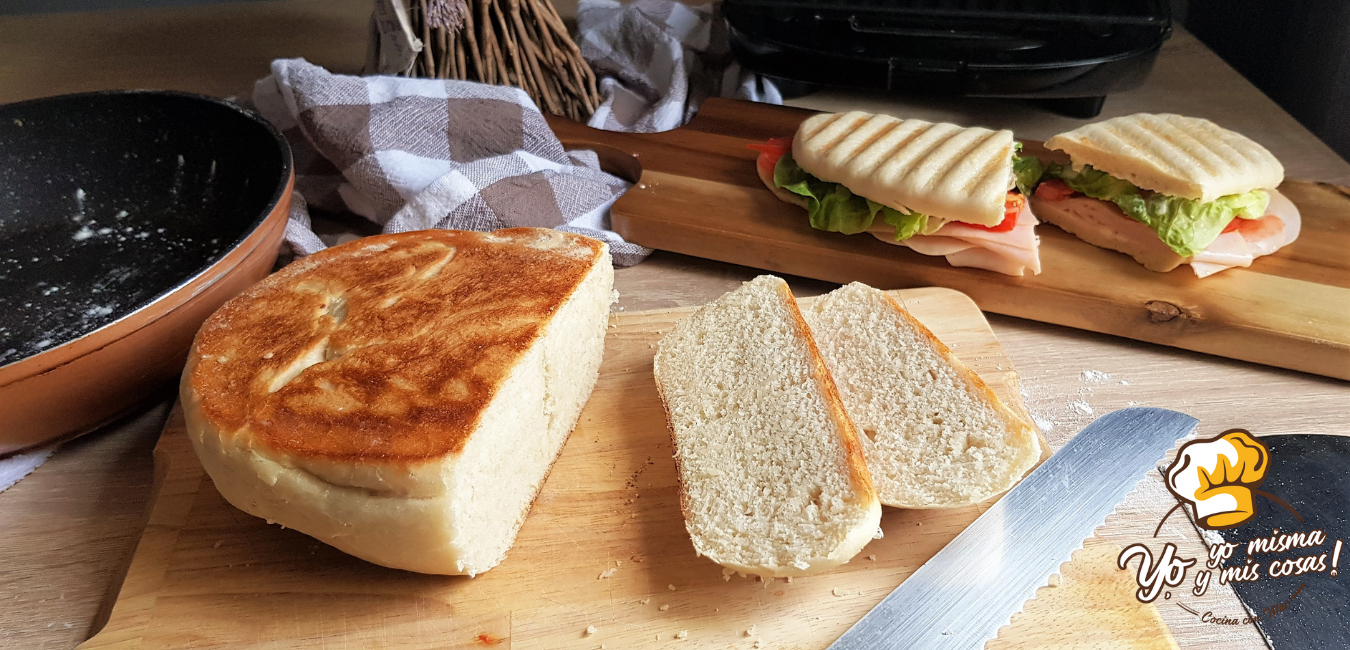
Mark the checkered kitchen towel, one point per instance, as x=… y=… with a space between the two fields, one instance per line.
x=411 y=154
x=657 y=60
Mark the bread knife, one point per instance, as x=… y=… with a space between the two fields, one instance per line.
x=962 y=596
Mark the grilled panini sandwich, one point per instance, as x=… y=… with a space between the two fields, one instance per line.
x=1168 y=190
x=939 y=189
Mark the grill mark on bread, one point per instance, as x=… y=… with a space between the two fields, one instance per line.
x=827 y=148
x=901 y=144
x=1199 y=155
x=930 y=142
x=977 y=141
x=877 y=135
x=823 y=124
x=1128 y=136
x=408 y=380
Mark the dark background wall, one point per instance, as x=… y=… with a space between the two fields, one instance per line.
x=1295 y=51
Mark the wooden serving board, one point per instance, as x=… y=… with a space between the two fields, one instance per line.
x=699 y=195
x=604 y=546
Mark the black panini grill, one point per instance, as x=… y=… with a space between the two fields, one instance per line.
x=1073 y=52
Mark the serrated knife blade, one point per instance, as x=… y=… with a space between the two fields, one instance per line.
x=972 y=587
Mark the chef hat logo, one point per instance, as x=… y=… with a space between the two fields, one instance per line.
x=1218 y=477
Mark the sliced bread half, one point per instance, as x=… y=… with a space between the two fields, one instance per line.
x=934 y=433
x=772 y=476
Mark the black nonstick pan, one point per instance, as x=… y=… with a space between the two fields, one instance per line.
x=126 y=218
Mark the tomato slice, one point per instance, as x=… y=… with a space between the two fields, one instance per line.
x=1238 y=224
x=769 y=153
x=1011 y=207
x=1054 y=190
x=775 y=147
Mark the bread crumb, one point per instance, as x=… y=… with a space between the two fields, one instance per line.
x=618 y=563
x=1093 y=377
x=1124 y=383
x=670 y=587
x=217 y=544
x=590 y=629
x=684 y=634
x=872 y=558
x=751 y=631
x=644 y=601
x=664 y=607
x=606 y=573
x=1082 y=407
x=757 y=644
x=726 y=578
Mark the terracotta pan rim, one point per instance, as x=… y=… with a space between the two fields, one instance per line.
x=267 y=220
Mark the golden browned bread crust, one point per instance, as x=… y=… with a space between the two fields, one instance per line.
x=397 y=385
x=857 y=459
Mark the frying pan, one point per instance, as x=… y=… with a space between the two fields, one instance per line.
x=126 y=218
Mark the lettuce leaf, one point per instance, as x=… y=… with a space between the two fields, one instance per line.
x=1027 y=171
x=1185 y=225
x=834 y=208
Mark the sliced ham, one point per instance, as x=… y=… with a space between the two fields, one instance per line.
x=1101 y=223
x=1010 y=252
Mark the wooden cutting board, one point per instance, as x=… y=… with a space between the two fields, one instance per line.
x=699 y=195
x=604 y=546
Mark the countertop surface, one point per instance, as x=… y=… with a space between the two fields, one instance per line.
x=68 y=530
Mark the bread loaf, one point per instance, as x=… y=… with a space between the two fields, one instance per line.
x=402 y=397
x=772 y=476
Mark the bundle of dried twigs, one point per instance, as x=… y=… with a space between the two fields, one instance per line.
x=521 y=43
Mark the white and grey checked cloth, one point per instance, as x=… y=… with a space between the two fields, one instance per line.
x=658 y=60
x=411 y=154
